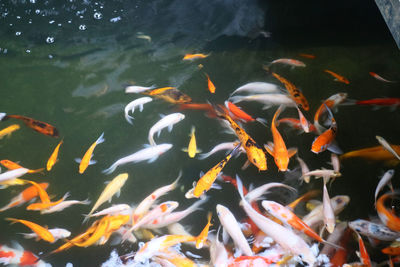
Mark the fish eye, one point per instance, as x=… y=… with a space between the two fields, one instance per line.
x=254 y=160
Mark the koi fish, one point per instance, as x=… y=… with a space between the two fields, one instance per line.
x=303 y=121
x=196 y=106
x=166 y=121
x=387 y=146
x=387 y=216
x=332 y=102
x=365 y=260
x=297 y=124
x=38 y=126
x=41 y=232
x=45 y=205
x=171 y=95
x=304 y=170
x=323 y=141
x=254 y=152
x=266 y=99
x=65 y=204
x=395 y=102
x=288 y=61
x=374 y=230
x=136 y=103
x=238 y=112
x=25 y=196
x=294 y=92
x=138 y=89
x=158 y=91
x=54 y=157
x=376 y=153
x=324 y=173
x=305 y=197
x=287 y=239
x=13 y=174
x=191 y=57
x=257 y=88
x=232 y=227
x=58 y=233
x=206 y=181
x=144 y=37
x=219 y=147
x=277 y=149
x=310 y=56
x=329 y=214
x=338 y=77
x=87 y=158
x=387 y=176
x=19 y=257
x=192 y=147
x=150 y=153
x=210 y=84
x=112 y=188
x=202 y=237
x=9 y=130
x=113 y=210
x=380 y=78
x=44 y=197
x=99 y=231
x=393 y=249
x=12 y=166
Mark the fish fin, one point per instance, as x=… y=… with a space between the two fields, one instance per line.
x=184 y=149
x=262 y=121
x=170 y=128
x=2 y=116
x=118 y=193
x=292 y=152
x=16 y=245
x=158 y=133
x=225 y=236
x=100 y=139
x=201 y=174
x=92 y=162
x=129 y=119
x=110 y=170
x=140 y=108
x=216 y=186
x=245 y=165
x=161 y=115
x=78 y=160
x=270 y=148
x=152 y=159
x=334 y=148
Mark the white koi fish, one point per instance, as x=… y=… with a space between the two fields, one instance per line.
x=383 y=181
x=13 y=174
x=166 y=121
x=222 y=146
x=121 y=209
x=218 y=253
x=267 y=99
x=65 y=204
x=329 y=214
x=232 y=227
x=304 y=170
x=387 y=146
x=136 y=103
x=324 y=173
x=258 y=88
x=335 y=162
x=287 y=239
x=58 y=233
x=113 y=187
x=137 y=89
x=149 y=153
x=256 y=193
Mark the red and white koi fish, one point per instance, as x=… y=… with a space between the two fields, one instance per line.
x=380 y=78
x=20 y=257
x=288 y=61
x=25 y=196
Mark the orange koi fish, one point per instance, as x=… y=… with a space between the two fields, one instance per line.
x=12 y=166
x=25 y=196
x=53 y=158
x=296 y=124
x=278 y=148
x=9 y=130
x=206 y=181
x=387 y=216
x=380 y=78
x=310 y=56
x=38 y=126
x=331 y=103
x=365 y=260
x=376 y=153
x=255 y=153
x=196 y=106
x=41 y=232
x=393 y=249
x=322 y=142
x=294 y=92
x=238 y=112
x=158 y=91
x=191 y=57
x=307 y=196
x=211 y=86
x=100 y=230
x=86 y=160
x=289 y=61
x=46 y=205
x=338 y=77
x=202 y=237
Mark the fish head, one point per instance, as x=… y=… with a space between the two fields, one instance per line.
x=282 y=163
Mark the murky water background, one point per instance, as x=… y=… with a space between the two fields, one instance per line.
x=67 y=63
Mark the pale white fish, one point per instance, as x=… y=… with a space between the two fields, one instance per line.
x=266 y=99
x=136 y=103
x=304 y=169
x=303 y=121
x=334 y=238
x=232 y=227
x=335 y=162
x=122 y=209
x=137 y=89
x=329 y=215
x=109 y=191
x=256 y=193
x=58 y=233
x=286 y=238
x=315 y=218
x=324 y=173
x=121 y=232
x=257 y=88
x=144 y=37
x=65 y=204
x=175 y=217
x=218 y=253
x=177 y=229
x=166 y=121
x=146 y=203
x=387 y=176
x=223 y=146
x=374 y=230
x=149 y=153
x=387 y=146
x=13 y=174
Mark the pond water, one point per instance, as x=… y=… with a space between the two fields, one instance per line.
x=68 y=62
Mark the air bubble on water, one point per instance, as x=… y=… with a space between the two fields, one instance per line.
x=97 y=15
x=28 y=51
x=115 y=19
x=30 y=21
x=50 y=40
x=50 y=56
x=37 y=11
x=18 y=17
x=59 y=24
x=69 y=21
x=18 y=33
x=81 y=17
x=32 y=1
x=51 y=21
x=82 y=27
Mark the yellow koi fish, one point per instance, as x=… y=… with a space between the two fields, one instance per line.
x=41 y=232
x=9 y=130
x=86 y=160
x=192 y=147
x=53 y=158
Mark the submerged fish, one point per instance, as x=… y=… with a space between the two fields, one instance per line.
x=38 y=126
x=257 y=88
x=9 y=130
x=338 y=77
x=376 y=153
x=166 y=121
x=136 y=103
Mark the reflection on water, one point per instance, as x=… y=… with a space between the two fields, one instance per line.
x=67 y=63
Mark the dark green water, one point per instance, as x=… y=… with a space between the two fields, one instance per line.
x=60 y=64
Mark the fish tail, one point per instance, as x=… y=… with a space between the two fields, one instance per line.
x=267 y=68
x=12 y=220
x=151 y=140
x=85 y=202
x=3 y=116
x=110 y=170
x=204 y=156
x=129 y=119
x=236 y=150
x=100 y=139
